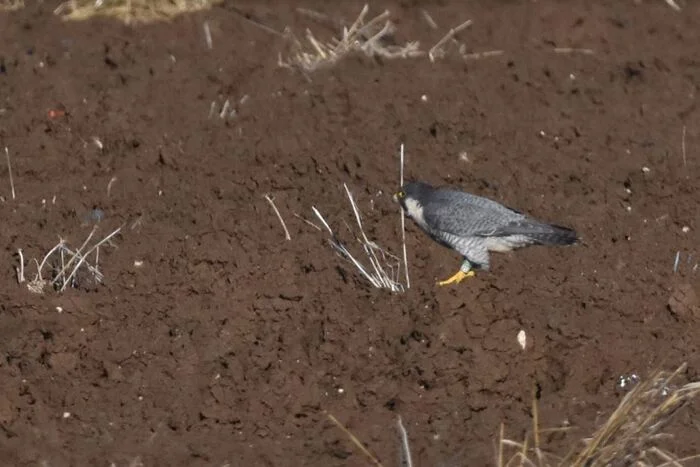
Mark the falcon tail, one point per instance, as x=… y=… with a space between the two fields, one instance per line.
x=550 y=234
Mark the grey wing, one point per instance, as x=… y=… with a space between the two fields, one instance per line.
x=466 y=215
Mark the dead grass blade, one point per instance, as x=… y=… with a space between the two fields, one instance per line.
x=9 y=170
x=406 y=457
x=354 y=440
x=403 y=221
x=673 y=5
x=279 y=217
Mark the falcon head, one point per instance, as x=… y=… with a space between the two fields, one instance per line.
x=412 y=196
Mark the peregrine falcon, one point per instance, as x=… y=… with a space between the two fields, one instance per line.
x=474 y=226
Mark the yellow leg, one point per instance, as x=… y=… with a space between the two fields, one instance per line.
x=457 y=278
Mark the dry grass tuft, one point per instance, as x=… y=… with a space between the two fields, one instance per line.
x=384 y=269
x=365 y=37
x=131 y=11
x=11 y=5
x=67 y=267
x=373 y=38
x=630 y=437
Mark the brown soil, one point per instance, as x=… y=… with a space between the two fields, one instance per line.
x=229 y=343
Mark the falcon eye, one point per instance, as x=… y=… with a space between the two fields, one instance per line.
x=401 y=194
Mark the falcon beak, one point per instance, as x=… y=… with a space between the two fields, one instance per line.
x=395 y=198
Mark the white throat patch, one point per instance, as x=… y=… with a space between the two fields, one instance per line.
x=415 y=212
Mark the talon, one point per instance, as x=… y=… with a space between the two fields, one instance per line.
x=457 y=278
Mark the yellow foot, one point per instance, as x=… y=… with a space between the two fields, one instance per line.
x=457 y=278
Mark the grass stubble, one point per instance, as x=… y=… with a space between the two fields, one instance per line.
x=384 y=271
x=631 y=436
x=64 y=264
x=131 y=11
x=368 y=37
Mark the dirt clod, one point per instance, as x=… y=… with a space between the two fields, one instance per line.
x=684 y=302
